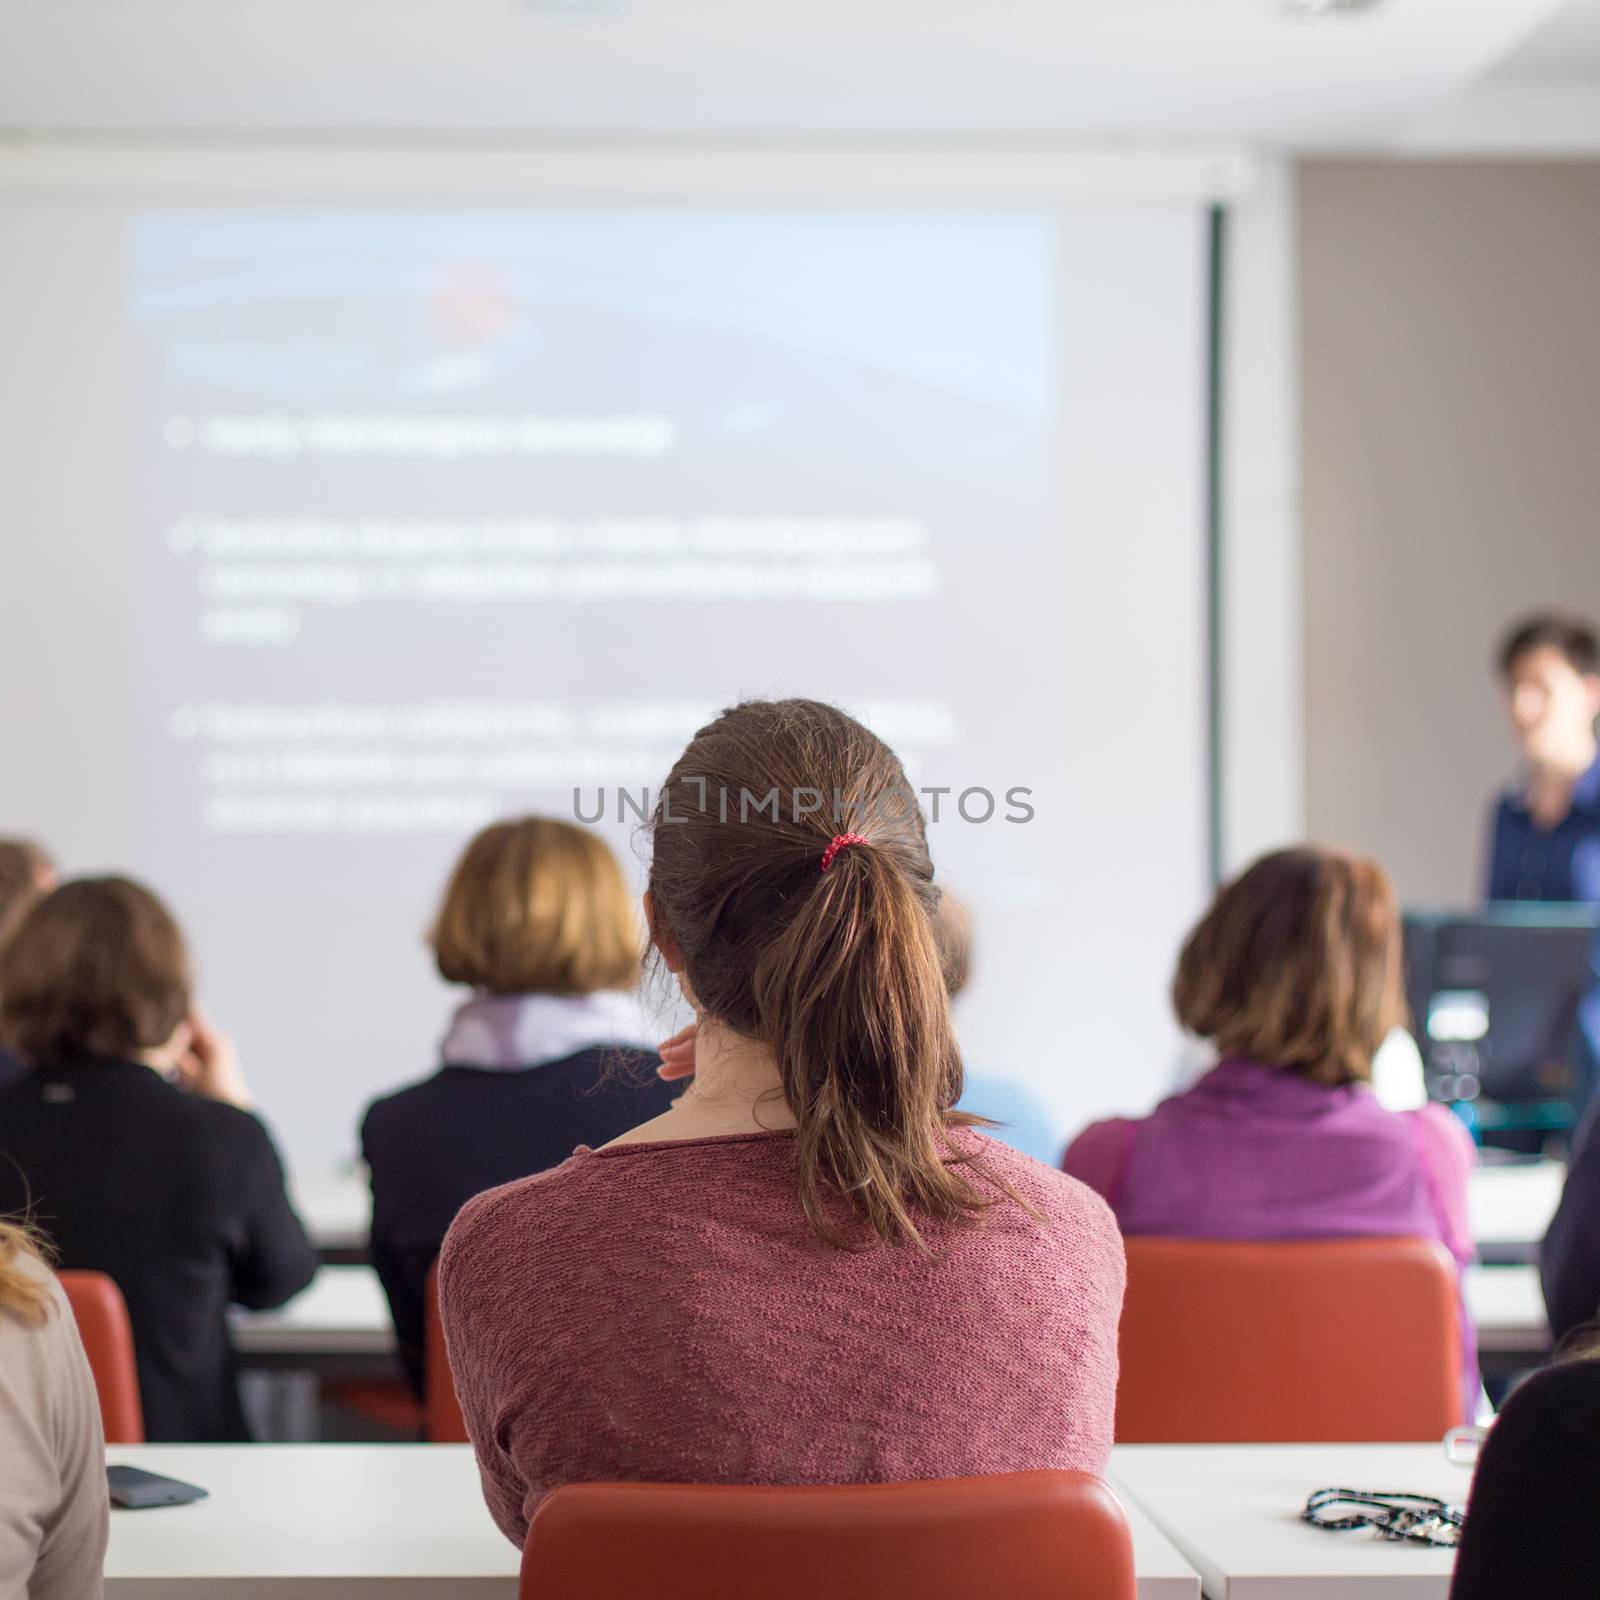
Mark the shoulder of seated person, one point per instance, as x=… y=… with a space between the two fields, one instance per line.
x=28 y=1265
x=219 y=1118
x=1559 y=1404
x=1072 y=1200
x=491 y=1207
x=1065 y=1197
x=403 y=1096
x=1441 y=1120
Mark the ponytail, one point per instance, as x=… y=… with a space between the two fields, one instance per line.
x=853 y=1004
x=826 y=953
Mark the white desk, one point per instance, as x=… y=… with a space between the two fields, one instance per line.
x=311 y=1522
x=1507 y=1309
x=1159 y=1566
x=336 y=1209
x=356 y=1522
x=1511 y=1207
x=343 y=1312
x=1234 y=1513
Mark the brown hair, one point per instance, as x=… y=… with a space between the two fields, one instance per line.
x=22 y=867
x=1297 y=964
x=838 y=973
x=24 y=1295
x=952 y=927
x=95 y=968
x=1572 y=636
x=537 y=906
x=1581 y=1343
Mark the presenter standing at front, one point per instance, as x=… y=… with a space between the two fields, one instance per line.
x=1546 y=840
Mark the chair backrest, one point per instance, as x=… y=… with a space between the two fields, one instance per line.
x=443 y=1421
x=1328 y=1340
x=102 y=1317
x=1023 y=1536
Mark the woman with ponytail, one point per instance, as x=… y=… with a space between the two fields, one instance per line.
x=812 y=1269
x=53 y=1506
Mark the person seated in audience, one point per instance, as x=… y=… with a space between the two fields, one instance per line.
x=812 y=1269
x=54 y=1510
x=552 y=1049
x=1569 y=1257
x=1294 y=975
x=132 y=1146
x=1531 y=1531
x=1014 y=1115
x=26 y=872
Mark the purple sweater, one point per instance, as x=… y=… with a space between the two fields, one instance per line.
x=664 y=1313
x=1260 y=1152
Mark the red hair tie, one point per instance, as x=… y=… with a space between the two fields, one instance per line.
x=840 y=841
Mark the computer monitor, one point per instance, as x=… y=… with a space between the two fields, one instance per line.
x=1494 y=1000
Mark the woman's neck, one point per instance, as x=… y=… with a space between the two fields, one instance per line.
x=735 y=1089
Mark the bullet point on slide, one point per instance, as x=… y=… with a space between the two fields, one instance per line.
x=179 y=432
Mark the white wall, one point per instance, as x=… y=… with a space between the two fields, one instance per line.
x=1450 y=348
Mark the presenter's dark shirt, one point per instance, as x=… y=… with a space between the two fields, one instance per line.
x=434 y=1145
x=1562 y=863
x=1532 y=1530
x=180 y=1200
x=1530 y=863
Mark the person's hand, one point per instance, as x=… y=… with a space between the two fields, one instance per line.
x=677 y=1054
x=211 y=1065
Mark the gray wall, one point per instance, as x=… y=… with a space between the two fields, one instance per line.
x=1450 y=375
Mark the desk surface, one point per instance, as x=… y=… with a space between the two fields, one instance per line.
x=1507 y=1309
x=311 y=1522
x=343 y=1312
x=1511 y=1206
x=335 y=1207
x=1234 y=1513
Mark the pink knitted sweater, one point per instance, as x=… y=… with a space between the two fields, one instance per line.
x=663 y=1312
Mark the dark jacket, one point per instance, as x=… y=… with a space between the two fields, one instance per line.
x=1533 y=1532
x=180 y=1200
x=1569 y=1258
x=431 y=1147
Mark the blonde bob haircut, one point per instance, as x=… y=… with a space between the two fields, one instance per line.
x=537 y=906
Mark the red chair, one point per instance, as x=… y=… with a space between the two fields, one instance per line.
x=388 y=1402
x=1325 y=1341
x=1024 y=1536
x=102 y=1317
x=442 y=1411
x=391 y=1404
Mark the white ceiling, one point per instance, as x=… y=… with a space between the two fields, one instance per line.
x=1395 y=77
x=1542 y=97
x=1565 y=50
